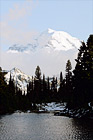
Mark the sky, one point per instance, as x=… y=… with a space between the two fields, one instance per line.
x=22 y=20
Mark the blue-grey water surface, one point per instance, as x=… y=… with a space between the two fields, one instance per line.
x=44 y=126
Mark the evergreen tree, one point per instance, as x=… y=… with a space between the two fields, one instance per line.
x=48 y=84
x=38 y=73
x=53 y=89
x=11 y=85
x=53 y=85
x=61 y=81
x=68 y=73
x=48 y=89
x=83 y=74
x=44 y=83
x=7 y=98
x=44 y=89
x=0 y=69
x=61 y=78
x=37 y=85
x=68 y=87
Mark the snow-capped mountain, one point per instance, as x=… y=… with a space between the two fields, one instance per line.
x=49 y=40
x=50 y=50
x=20 y=79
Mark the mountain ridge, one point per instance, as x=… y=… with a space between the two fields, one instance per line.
x=50 y=50
x=49 y=39
x=19 y=78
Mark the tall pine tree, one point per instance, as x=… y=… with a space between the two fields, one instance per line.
x=83 y=74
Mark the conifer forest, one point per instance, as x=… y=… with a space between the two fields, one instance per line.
x=76 y=89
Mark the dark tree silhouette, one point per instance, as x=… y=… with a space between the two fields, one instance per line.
x=83 y=74
x=38 y=73
x=68 y=86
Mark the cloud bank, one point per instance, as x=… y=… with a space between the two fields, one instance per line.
x=14 y=24
x=50 y=63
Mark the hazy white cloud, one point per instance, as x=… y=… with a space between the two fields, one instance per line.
x=19 y=11
x=16 y=36
x=13 y=28
x=16 y=13
x=50 y=63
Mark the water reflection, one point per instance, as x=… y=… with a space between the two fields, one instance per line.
x=83 y=129
x=31 y=126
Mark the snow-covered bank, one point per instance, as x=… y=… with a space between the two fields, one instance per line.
x=51 y=107
x=76 y=113
x=44 y=108
x=59 y=109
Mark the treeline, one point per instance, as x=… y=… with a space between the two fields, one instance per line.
x=11 y=97
x=76 y=88
x=42 y=89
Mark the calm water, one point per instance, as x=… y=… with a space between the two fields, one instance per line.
x=31 y=126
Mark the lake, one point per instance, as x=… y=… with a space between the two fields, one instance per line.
x=44 y=126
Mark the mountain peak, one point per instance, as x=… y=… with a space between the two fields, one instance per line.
x=49 y=40
x=20 y=79
x=51 y=30
x=16 y=70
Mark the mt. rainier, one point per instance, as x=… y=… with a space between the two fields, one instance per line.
x=50 y=50
x=49 y=40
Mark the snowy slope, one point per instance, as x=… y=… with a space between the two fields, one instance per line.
x=57 y=40
x=50 y=50
x=20 y=79
x=49 y=40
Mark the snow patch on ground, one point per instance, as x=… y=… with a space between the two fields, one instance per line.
x=51 y=106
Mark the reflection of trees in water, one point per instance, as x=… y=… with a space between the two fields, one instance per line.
x=83 y=129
